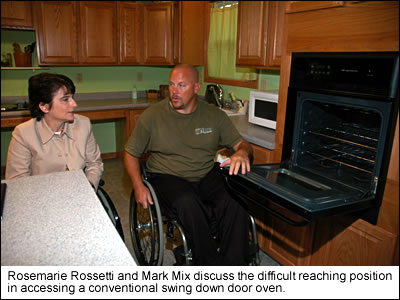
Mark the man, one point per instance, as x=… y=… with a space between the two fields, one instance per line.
x=183 y=135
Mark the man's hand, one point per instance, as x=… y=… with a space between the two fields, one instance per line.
x=238 y=160
x=143 y=196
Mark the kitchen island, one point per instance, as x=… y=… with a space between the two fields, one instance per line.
x=57 y=220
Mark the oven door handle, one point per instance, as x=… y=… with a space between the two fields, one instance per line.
x=269 y=209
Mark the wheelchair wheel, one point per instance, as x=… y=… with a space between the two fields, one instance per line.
x=254 y=250
x=147 y=230
x=110 y=209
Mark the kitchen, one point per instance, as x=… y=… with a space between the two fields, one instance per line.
x=306 y=28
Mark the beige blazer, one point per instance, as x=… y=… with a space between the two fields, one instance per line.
x=35 y=149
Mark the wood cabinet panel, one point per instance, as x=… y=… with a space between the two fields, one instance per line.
x=365 y=26
x=98 y=32
x=252 y=33
x=13 y=121
x=189 y=32
x=130 y=32
x=157 y=33
x=56 y=32
x=260 y=33
x=298 y=6
x=287 y=244
x=16 y=14
x=261 y=155
x=360 y=243
x=275 y=32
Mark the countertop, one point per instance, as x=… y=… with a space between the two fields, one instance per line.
x=98 y=105
x=255 y=134
x=57 y=219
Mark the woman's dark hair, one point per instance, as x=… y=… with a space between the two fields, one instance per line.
x=43 y=87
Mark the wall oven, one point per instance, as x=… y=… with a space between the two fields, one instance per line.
x=339 y=127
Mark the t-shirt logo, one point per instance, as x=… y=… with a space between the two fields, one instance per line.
x=198 y=131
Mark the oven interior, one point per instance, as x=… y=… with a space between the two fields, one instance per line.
x=336 y=151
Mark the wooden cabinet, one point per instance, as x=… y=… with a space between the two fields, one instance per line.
x=260 y=33
x=71 y=32
x=261 y=155
x=16 y=14
x=189 y=32
x=129 y=15
x=298 y=6
x=157 y=33
x=119 y=32
x=98 y=32
x=57 y=32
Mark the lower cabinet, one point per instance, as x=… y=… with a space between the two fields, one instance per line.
x=261 y=155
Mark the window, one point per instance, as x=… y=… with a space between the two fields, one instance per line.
x=220 y=64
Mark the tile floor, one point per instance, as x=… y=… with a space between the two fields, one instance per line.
x=118 y=187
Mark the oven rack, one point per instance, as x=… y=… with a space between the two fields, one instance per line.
x=360 y=138
x=351 y=147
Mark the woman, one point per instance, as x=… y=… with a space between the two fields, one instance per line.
x=55 y=139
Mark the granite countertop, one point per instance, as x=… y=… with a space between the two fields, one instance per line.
x=57 y=220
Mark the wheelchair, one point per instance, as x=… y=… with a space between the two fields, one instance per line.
x=109 y=207
x=147 y=233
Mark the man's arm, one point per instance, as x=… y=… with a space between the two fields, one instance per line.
x=241 y=158
x=132 y=166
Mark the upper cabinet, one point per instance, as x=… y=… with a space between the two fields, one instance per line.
x=98 y=31
x=157 y=33
x=56 y=32
x=119 y=32
x=16 y=14
x=69 y=32
x=129 y=16
x=189 y=33
x=260 y=34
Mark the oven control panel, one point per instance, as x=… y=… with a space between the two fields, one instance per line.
x=365 y=73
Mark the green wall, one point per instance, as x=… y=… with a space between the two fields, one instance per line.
x=98 y=79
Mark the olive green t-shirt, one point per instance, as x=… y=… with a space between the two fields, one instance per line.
x=183 y=145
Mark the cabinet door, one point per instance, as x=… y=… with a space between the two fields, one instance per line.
x=260 y=33
x=56 y=32
x=157 y=33
x=276 y=23
x=99 y=34
x=252 y=33
x=189 y=32
x=129 y=32
x=16 y=14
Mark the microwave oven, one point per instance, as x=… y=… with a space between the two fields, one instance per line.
x=263 y=108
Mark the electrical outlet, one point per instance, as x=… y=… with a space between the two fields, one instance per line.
x=79 y=78
x=139 y=76
x=263 y=85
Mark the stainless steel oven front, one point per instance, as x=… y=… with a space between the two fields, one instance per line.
x=339 y=127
